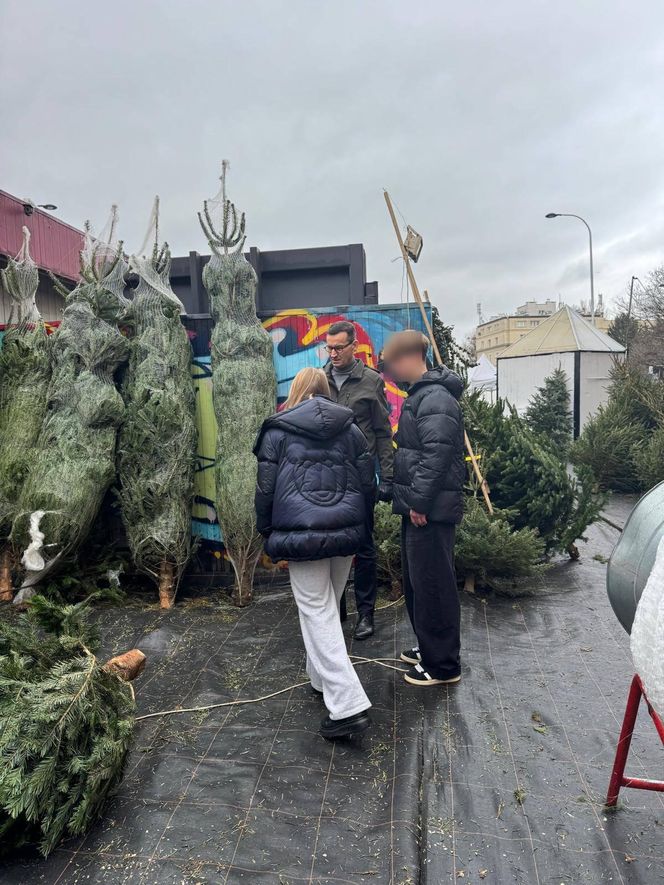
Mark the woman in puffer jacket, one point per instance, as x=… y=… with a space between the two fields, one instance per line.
x=314 y=475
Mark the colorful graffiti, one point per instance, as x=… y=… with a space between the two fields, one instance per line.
x=298 y=337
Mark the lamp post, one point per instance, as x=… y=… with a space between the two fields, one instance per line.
x=590 y=243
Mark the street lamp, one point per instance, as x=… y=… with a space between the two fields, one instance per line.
x=590 y=242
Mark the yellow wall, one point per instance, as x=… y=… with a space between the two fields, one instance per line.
x=495 y=336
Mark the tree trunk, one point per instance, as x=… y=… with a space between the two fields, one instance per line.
x=469 y=583
x=6 y=588
x=244 y=568
x=166 y=584
x=573 y=551
x=128 y=665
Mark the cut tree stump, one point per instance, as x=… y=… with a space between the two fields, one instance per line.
x=128 y=665
x=469 y=583
x=166 y=585
x=6 y=588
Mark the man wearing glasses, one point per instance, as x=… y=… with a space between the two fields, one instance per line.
x=361 y=389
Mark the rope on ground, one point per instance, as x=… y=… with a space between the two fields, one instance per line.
x=356 y=662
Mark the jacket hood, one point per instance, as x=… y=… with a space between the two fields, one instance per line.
x=317 y=418
x=443 y=376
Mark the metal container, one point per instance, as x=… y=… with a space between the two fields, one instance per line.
x=634 y=555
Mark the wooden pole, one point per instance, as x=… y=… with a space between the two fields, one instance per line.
x=6 y=589
x=420 y=303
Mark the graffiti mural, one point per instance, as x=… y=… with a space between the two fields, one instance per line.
x=298 y=337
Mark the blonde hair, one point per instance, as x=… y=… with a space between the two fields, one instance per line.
x=307 y=383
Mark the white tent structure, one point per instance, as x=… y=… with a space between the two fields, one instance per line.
x=564 y=340
x=482 y=377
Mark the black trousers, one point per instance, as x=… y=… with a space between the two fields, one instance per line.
x=365 y=567
x=432 y=598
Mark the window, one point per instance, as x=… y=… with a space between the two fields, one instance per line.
x=521 y=324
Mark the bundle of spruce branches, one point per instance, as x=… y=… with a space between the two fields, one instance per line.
x=66 y=724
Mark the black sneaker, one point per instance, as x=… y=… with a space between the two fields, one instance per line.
x=417 y=675
x=316 y=691
x=365 y=626
x=331 y=729
x=411 y=656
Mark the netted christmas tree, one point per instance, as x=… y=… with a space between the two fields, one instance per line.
x=387 y=537
x=549 y=413
x=529 y=481
x=243 y=382
x=66 y=723
x=25 y=370
x=157 y=440
x=74 y=464
x=492 y=555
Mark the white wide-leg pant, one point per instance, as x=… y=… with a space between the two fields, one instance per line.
x=317 y=588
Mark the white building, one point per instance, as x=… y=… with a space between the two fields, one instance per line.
x=566 y=340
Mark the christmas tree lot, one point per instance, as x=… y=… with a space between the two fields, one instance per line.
x=67 y=722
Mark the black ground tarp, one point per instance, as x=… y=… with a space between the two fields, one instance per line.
x=498 y=780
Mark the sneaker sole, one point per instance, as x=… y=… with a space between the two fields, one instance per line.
x=403 y=657
x=347 y=730
x=426 y=683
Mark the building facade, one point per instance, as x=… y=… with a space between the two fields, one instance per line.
x=497 y=334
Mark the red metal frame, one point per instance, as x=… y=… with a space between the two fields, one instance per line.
x=618 y=777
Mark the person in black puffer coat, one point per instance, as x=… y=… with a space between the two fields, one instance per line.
x=315 y=474
x=429 y=474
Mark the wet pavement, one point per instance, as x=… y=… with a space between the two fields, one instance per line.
x=500 y=779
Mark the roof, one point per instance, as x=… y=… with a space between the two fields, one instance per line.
x=563 y=332
x=484 y=372
x=54 y=245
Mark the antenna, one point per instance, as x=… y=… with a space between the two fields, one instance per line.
x=480 y=318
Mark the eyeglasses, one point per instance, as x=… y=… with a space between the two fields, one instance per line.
x=337 y=348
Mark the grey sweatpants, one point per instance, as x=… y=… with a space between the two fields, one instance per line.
x=317 y=588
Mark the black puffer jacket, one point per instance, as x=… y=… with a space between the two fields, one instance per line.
x=314 y=472
x=429 y=466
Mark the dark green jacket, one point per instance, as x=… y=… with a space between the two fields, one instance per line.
x=364 y=393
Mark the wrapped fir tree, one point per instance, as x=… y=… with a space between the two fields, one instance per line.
x=157 y=440
x=74 y=463
x=243 y=383
x=24 y=375
x=66 y=723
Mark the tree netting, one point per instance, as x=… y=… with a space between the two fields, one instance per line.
x=243 y=383
x=157 y=440
x=74 y=462
x=24 y=375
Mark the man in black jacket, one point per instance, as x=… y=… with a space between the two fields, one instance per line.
x=361 y=389
x=429 y=473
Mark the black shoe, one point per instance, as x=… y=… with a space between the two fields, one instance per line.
x=411 y=656
x=316 y=691
x=364 y=627
x=417 y=675
x=331 y=729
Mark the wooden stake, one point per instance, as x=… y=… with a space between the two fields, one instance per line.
x=427 y=325
x=166 y=584
x=128 y=665
x=6 y=588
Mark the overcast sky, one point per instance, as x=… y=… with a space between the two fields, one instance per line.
x=479 y=117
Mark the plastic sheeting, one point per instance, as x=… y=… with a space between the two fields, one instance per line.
x=501 y=778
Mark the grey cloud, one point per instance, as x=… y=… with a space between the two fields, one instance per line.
x=478 y=117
